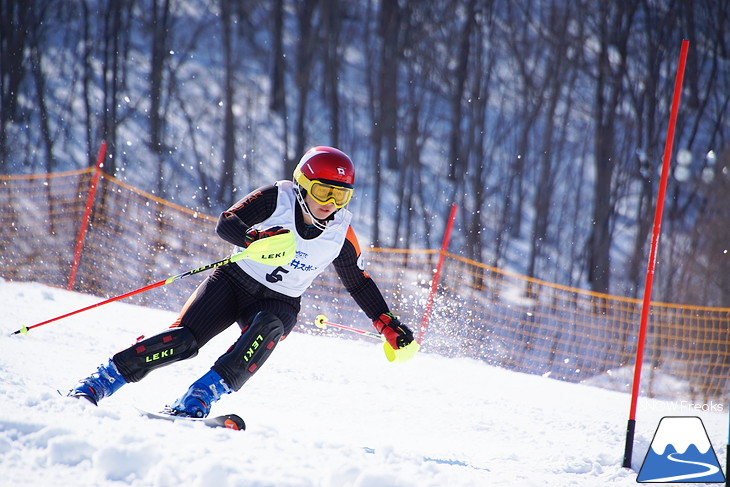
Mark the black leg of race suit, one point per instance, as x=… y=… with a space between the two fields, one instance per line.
x=148 y=354
x=250 y=351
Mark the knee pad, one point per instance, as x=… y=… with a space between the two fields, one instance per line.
x=148 y=354
x=250 y=351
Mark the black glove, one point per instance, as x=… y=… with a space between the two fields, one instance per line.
x=253 y=234
x=396 y=333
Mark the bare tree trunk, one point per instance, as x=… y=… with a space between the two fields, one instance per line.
x=613 y=32
x=554 y=81
x=456 y=163
x=36 y=67
x=478 y=147
x=113 y=29
x=303 y=76
x=226 y=183
x=390 y=24
x=13 y=42
x=376 y=136
x=159 y=27
x=526 y=52
x=277 y=102
x=87 y=82
x=332 y=23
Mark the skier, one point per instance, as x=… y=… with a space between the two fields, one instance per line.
x=263 y=300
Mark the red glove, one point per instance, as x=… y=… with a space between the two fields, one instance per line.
x=397 y=334
x=253 y=234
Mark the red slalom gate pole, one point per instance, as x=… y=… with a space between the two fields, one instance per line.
x=631 y=426
x=86 y=217
x=437 y=274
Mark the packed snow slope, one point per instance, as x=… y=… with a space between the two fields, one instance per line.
x=323 y=411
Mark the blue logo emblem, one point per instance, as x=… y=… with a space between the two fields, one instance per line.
x=680 y=452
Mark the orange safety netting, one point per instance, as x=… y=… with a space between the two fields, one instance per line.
x=507 y=320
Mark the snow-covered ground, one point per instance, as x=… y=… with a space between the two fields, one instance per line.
x=322 y=412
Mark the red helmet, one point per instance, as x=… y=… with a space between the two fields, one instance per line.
x=327 y=174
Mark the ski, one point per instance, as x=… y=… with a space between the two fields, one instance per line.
x=229 y=421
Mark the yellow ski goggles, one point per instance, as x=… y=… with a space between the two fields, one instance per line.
x=324 y=193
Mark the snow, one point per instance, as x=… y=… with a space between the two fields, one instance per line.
x=323 y=411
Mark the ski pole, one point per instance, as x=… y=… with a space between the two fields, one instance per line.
x=321 y=322
x=402 y=354
x=275 y=250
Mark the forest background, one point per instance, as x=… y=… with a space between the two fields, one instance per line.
x=545 y=121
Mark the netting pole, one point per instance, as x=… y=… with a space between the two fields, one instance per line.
x=437 y=274
x=86 y=218
x=727 y=457
x=631 y=426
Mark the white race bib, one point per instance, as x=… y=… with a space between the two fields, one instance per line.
x=312 y=256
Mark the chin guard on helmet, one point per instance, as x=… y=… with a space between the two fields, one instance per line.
x=300 y=193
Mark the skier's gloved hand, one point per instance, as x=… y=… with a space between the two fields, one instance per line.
x=253 y=234
x=396 y=333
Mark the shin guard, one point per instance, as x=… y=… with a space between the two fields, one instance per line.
x=250 y=351
x=151 y=353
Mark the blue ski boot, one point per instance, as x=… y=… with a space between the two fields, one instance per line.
x=103 y=383
x=196 y=402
